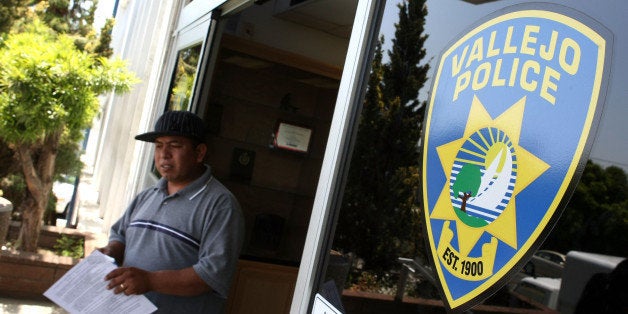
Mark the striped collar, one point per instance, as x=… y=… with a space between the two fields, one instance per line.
x=191 y=190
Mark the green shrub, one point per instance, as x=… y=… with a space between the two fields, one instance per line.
x=69 y=246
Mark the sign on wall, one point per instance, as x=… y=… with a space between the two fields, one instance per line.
x=511 y=119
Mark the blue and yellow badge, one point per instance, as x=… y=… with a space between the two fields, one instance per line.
x=512 y=114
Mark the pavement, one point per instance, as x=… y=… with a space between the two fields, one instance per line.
x=89 y=221
x=11 y=306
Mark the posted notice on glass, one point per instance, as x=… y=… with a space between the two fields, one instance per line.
x=83 y=289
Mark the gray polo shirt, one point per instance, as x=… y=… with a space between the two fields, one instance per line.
x=200 y=226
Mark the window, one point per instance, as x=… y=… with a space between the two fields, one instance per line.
x=184 y=76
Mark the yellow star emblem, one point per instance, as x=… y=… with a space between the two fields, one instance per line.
x=529 y=167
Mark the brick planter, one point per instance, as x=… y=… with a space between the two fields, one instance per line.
x=28 y=275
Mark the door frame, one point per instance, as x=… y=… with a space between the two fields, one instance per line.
x=342 y=135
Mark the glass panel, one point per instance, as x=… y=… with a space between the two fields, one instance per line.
x=251 y=97
x=379 y=232
x=258 y=77
x=379 y=218
x=184 y=77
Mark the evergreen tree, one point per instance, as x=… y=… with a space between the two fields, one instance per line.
x=379 y=219
x=74 y=18
x=10 y=11
x=102 y=47
x=68 y=16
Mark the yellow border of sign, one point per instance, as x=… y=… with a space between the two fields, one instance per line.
x=601 y=43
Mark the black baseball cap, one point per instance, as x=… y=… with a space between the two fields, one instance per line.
x=176 y=123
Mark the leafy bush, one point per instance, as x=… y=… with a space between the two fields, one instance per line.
x=70 y=246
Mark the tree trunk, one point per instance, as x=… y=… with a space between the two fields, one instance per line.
x=465 y=197
x=38 y=176
x=31 y=225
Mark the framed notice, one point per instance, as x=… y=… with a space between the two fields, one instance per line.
x=292 y=137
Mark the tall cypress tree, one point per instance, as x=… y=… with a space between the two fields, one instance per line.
x=380 y=220
x=74 y=18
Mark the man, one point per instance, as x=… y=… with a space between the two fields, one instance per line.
x=178 y=242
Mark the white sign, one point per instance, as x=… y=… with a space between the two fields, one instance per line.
x=322 y=306
x=292 y=137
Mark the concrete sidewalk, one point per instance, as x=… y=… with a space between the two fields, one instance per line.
x=89 y=209
x=89 y=222
x=11 y=306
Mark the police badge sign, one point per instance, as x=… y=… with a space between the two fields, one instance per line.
x=514 y=107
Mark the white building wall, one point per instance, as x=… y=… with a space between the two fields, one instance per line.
x=141 y=36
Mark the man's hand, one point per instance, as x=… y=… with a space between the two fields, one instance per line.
x=132 y=280
x=128 y=280
x=114 y=249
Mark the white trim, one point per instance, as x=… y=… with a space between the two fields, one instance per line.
x=194 y=33
x=196 y=9
x=339 y=137
x=202 y=188
x=235 y=6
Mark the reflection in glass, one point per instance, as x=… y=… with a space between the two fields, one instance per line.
x=379 y=219
x=184 y=77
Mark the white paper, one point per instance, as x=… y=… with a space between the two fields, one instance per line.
x=322 y=306
x=83 y=289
